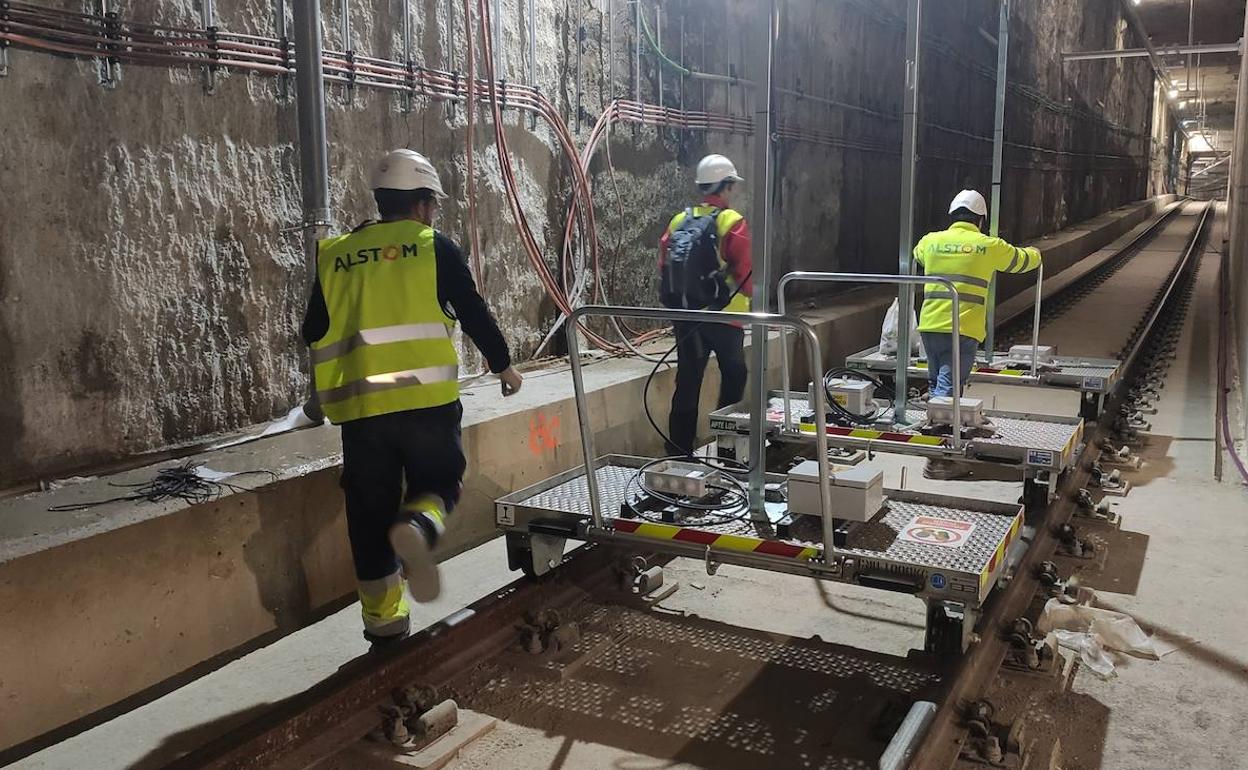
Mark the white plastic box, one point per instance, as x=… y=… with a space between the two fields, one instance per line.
x=857 y=490
x=1044 y=353
x=858 y=396
x=940 y=411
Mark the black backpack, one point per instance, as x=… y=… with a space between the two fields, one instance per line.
x=691 y=278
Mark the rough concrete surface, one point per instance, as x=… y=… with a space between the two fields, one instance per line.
x=158 y=207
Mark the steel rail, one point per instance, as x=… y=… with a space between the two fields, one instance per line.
x=306 y=728
x=973 y=675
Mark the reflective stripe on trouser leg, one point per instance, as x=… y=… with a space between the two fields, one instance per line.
x=432 y=506
x=383 y=606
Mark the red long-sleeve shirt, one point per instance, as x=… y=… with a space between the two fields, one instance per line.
x=734 y=248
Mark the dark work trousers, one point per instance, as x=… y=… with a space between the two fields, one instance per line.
x=694 y=344
x=421 y=447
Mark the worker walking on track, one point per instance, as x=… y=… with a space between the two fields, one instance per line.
x=704 y=264
x=379 y=322
x=968 y=258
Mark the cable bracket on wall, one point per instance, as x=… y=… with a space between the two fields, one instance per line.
x=108 y=68
x=4 y=44
x=207 y=19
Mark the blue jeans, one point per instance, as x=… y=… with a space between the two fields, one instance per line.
x=939 y=348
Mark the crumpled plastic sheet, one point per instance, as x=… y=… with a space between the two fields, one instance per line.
x=1090 y=631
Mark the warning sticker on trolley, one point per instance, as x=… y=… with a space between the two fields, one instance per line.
x=947 y=533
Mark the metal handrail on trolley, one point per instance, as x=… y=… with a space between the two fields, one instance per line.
x=900 y=280
x=699 y=316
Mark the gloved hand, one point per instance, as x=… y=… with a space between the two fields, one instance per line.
x=511 y=381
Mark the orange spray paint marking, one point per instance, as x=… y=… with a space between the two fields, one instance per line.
x=543 y=433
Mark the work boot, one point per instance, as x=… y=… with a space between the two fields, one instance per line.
x=945 y=470
x=379 y=643
x=413 y=538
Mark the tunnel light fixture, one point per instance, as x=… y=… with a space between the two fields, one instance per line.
x=1173 y=93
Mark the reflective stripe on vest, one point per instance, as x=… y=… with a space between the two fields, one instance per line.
x=388 y=348
x=727 y=219
x=970 y=278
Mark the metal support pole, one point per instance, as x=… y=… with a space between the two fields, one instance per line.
x=533 y=56
x=207 y=20
x=1191 y=23
x=637 y=50
x=998 y=145
x=407 y=54
x=450 y=44
x=313 y=145
x=107 y=70
x=496 y=15
x=610 y=50
x=658 y=40
x=347 y=47
x=905 y=257
x=761 y=225
x=283 y=42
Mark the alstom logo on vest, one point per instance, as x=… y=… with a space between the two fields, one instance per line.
x=367 y=256
x=955 y=248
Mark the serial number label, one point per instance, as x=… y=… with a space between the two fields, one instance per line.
x=1040 y=457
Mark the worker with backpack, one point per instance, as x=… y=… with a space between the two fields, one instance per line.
x=704 y=264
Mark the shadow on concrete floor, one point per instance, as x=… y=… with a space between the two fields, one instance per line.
x=682 y=689
x=1117 y=563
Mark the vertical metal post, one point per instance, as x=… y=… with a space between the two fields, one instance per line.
x=761 y=225
x=1191 y=29
x=637 y=50
x=407 y=54
x=347 y=47
x=580 y=52
x=610 y=50
x=998 y=146
x=533 y=57
x=105 y=70
x=279 y=29
x=658 y=39
x=496 y=15
x=310 y=106
x=313 y=145
x=207 y=20
x=450 y=44
x=532 y=42
x=909 y=139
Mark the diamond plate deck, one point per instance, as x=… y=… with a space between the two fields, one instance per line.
x=877 y=543
x=1091 y=374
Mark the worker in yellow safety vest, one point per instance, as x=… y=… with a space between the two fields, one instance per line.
x=968 y=258
x=704 y=264
x=379 y=322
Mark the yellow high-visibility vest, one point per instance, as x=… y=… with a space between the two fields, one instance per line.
x=724 y=223
x=969 y=258
x=388 y=348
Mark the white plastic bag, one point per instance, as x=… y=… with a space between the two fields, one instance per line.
x=1113 y=630
x=888 y=333
x=1090 y=651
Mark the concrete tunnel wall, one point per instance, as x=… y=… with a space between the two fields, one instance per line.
x=149 y=296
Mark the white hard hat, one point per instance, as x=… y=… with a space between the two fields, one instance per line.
x=406 y=170
x=970 y=200
x=714 y=169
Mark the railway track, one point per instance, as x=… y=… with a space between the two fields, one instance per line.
x=315 y=725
